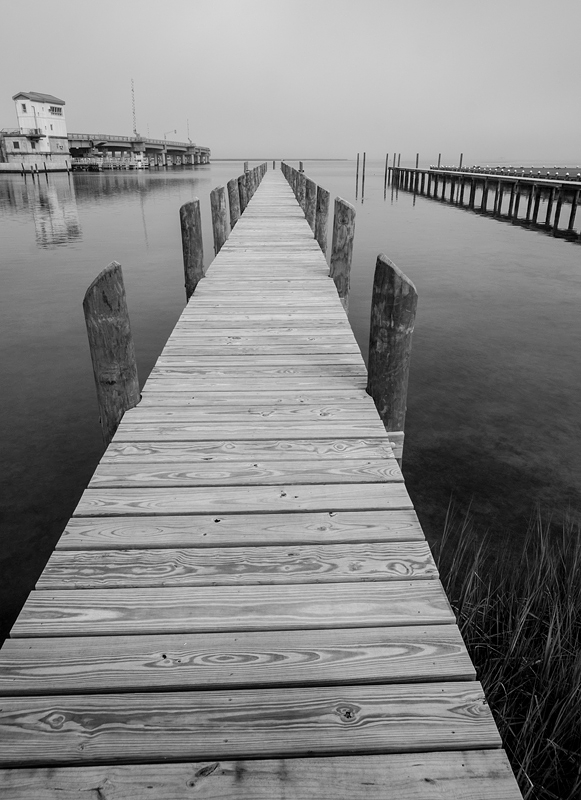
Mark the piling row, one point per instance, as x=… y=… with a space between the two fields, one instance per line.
x=485 y=193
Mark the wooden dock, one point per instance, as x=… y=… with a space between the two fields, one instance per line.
x=243 y=604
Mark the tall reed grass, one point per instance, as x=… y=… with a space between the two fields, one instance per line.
x=520 y=615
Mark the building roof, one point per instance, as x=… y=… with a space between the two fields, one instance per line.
x=40 y=98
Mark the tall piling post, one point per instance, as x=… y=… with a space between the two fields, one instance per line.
x=342 y=248
x=112 y=348
x=311 y=202
x=219 y=219
x=233 y=201
x=385 y=175
x=393 y=311
x=363 y=178
x=322 y=218
x=242 y=194
x=192 y=246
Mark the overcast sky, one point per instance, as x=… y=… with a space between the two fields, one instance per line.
x=309 y=78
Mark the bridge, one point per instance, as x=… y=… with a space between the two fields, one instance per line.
x=243 y=604
x=159 y=152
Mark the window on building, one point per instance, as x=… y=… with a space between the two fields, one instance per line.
x=56 y=110
x=16 y=145
x=51 y=127
x=33 y=145
x=24 y=108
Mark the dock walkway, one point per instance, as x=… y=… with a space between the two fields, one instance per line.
x=243 y=604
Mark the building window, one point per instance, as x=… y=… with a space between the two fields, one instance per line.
x=56 y=110
x=24 y=108
x=33 y=145
x=16 y=145
x=51 y=127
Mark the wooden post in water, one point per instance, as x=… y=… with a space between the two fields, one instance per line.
x=559 y=195
x=322 y=218
x=342 y=248
x=574 y=203
x=112 y=349
x=357 y=175
x=393 y=312
x=219 y=219
x=301 y=189
x=363 y=178
x=192 y=246
x=385 y=176
x=242 y=193
x=311 y=202
x=233 y=201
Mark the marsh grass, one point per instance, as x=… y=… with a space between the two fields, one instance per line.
x=520 y=616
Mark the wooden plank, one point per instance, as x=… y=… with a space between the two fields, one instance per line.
x=98 y=569
x=278 y=399
x=232 y=499
x=240 y=530
x=241 y=450
x=221 y=660
x=266 y=413
x=238 y=362
x=199 y=384
x=199 y=431
x=458 y=775
x=244 y=473
x=187 y=609
x=247 y=723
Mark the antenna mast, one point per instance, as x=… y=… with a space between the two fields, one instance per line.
x=133 y=107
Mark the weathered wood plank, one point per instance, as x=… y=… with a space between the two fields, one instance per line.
x=240 y=530
x=220 y=660
x=228 y=412
x=200 y=431
x=245 y=723
x=244 y=473
x=98 y=569
x=241 y=450
x=459 y=775
x=232 y=499
x=187 y=609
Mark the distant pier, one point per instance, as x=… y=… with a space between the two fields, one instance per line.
x=545 y=202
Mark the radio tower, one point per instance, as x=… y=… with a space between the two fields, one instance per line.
x=133 y=107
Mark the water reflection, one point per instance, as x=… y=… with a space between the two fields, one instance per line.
x=52 y=204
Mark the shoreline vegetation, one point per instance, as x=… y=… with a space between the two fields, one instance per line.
x=520 y=616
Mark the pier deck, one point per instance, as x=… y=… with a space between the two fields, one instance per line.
x=243 y=604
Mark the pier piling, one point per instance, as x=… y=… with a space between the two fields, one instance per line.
x=192 y=245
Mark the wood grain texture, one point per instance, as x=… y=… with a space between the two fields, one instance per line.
x=112 y=612
x=98 y=569
x=287 y=450
x=192 y=245
x=231 y=499
x=245 y=723
x=94 y=664
x=239 y=530
x=258 y=429
x=245 y=473
x=456 y=775
x=112 y=348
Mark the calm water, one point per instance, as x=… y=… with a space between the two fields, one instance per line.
x=495 y=389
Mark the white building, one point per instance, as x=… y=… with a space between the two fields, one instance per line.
x=41 y=136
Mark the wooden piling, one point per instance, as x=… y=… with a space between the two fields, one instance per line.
x=301 y=189
x=393 y=311
x=242 y=193
x=342 y=248
x=363 y=178
x=439 y=160
x=233 y=201
x=357 y=175
x=246 y=166
x=322 y=218
x=559 y=197
x=385 y=176
x=112 y=349
x=219 y=219
x=310 y=202
x=574 y=203
x=192 y=246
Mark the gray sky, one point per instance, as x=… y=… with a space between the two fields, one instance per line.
x=309 y=78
